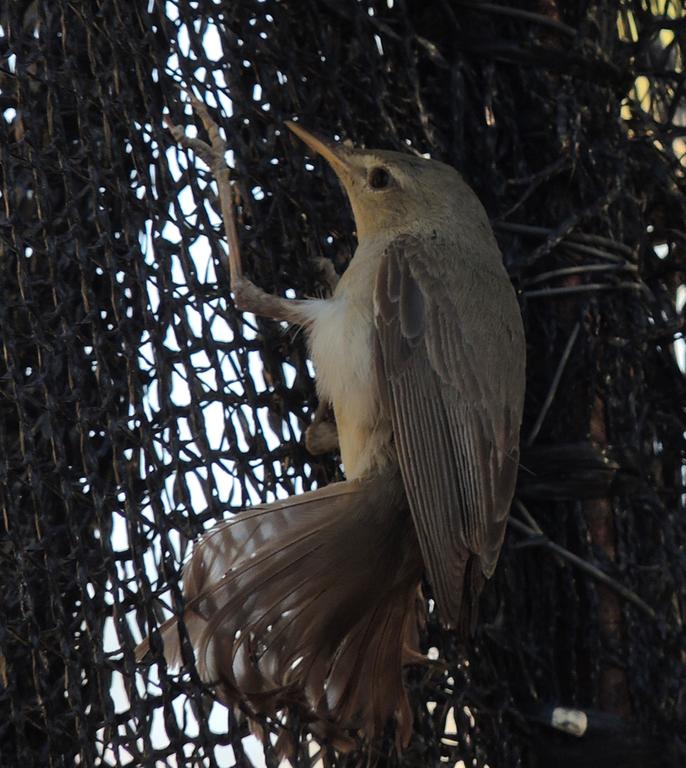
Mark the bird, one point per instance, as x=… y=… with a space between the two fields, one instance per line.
x=313 y=604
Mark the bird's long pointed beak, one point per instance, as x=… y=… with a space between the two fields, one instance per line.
x=334 y=154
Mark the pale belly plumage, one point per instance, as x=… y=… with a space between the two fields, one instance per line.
x=341 y=337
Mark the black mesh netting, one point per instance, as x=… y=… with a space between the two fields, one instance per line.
x=137 y=406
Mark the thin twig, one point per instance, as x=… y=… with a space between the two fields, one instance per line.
x=566 y=271
x=248 y=297
x=530 y=519
x=534 y=182
x=554 y=385
x=518 y=13
x=587 y=288
x=583 y=565
x=566 y=228
x=544 y=174
x=607 y=242
x=587 y=250
x=572 y=237
x=521 y=229
x=214 y=155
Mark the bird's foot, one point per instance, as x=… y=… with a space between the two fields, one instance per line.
x=322 y=435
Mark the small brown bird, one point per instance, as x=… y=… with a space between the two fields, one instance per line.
x=313 y=602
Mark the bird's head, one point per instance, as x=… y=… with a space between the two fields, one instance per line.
x=393 y=192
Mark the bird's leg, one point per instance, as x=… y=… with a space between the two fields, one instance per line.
x=248 y=297
x=329 y=276
x=322 y=436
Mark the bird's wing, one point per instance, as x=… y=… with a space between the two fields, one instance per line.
x=450 y=365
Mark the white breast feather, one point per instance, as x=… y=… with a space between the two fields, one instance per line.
x=340 y=341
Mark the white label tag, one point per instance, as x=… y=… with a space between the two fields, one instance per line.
x=572 y=721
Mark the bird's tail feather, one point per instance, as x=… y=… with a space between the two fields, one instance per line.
x=310 y=603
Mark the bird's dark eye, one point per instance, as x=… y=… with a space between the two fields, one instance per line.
x=379 y=178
